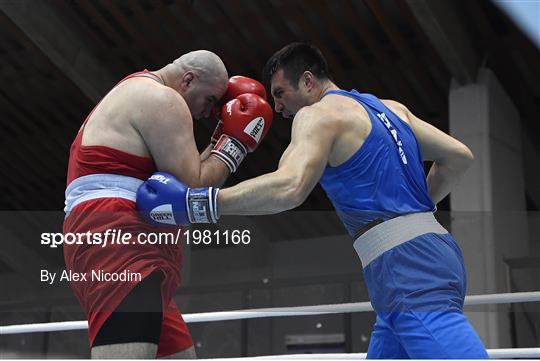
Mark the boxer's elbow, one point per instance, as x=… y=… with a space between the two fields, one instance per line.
x=467 y=157
x=461 y=159
x=297 y=197
x=294 y=191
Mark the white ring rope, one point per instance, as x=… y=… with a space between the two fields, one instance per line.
x=498 y=353
x=496 y=298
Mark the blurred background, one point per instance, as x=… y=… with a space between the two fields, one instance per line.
x=469 y=68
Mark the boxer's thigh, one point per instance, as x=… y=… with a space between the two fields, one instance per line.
x=437 y=335
x=423 y=274
x=175 y=340
x=384 y=344
x=133 y=330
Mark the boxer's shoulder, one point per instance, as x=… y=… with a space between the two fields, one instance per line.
x=149 y=91
x=341 y=107
x=335 y=111
x=315 y=118
x=320 y=110
x=160 y=113
x=157 y=102
x=165 y=97
x=398 y=109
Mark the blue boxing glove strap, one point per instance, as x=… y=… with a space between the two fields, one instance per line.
x=201 y=205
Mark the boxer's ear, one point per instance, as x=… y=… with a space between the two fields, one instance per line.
x=187 y=79
x=308 y=80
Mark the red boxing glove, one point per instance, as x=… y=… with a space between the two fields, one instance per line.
x=246 y=120
x=239 y=85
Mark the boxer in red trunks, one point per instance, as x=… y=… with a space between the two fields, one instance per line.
x=144 y=124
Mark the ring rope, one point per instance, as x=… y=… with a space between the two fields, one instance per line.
x=496 y=353
x=497 y=298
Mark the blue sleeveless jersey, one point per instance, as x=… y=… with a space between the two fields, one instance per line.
x=385 y=177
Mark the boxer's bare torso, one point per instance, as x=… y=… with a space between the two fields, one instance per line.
x=115 y=121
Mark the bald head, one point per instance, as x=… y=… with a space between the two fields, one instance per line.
x=207 y=65
x=201 y=79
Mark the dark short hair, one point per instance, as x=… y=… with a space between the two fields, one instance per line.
x=295 y=59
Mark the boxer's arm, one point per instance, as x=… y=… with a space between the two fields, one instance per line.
x=167 y=129
x=300 y=168
x=450 y=157
x=207 y=152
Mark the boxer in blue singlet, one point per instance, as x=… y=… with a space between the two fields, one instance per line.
x=368 y=155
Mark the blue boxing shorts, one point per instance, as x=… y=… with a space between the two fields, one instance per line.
x=417 y=288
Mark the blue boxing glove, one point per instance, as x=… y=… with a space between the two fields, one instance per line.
x=164 y=200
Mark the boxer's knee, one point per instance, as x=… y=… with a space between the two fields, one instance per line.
x=130 y=350
x=188 y=353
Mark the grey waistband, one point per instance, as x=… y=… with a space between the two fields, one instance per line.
x=100 y=186
x=394 y=232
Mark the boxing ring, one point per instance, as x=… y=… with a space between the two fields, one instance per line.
x=472 y=300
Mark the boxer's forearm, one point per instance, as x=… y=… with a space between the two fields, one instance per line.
x=268 y=194
x=206 y=153
x=213 y=172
